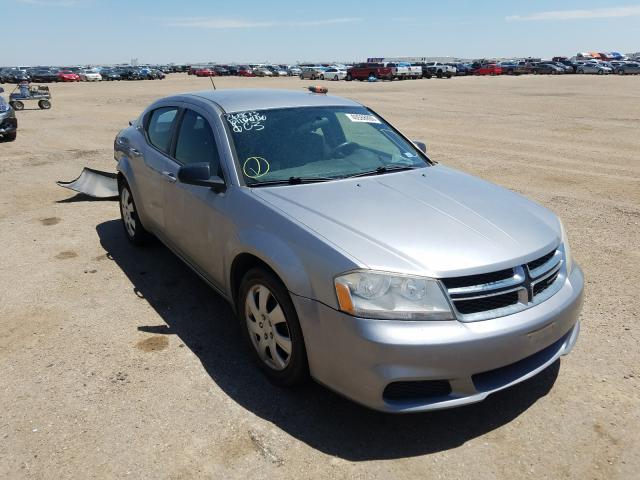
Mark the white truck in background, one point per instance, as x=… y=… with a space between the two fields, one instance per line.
x=403 y=70
x=415 y=71
x=440 y=70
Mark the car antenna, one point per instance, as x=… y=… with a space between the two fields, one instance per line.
x=212 y=84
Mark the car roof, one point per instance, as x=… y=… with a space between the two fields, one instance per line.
x=240 y=100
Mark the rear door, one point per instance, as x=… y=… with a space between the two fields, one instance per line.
x=155 y=168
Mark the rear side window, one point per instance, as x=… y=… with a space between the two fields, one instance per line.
x=160 y=127
x=196 y=142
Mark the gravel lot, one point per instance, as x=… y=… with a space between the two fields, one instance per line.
x=119 y=362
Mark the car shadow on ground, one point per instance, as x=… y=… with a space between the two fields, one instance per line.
x=204 y=322
x=83 y=197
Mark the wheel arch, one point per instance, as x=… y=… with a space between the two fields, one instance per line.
x=125 y=175
x=243 y=263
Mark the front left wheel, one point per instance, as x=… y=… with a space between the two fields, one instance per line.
x=270 y=323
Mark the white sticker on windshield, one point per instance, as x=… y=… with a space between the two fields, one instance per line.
x=358 y=117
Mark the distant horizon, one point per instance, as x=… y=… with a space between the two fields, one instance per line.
x=80 y=32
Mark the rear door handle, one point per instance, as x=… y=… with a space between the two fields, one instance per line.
x=169 y=177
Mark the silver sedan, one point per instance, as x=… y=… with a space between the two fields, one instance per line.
x=593 y=67
x=347 y=253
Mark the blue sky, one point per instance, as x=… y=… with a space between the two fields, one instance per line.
x=160 y=31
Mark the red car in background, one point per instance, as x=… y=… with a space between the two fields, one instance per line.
x=246 y=72
x=68 y=76
x=205 y=72
x=488 y=69
x=364 y=71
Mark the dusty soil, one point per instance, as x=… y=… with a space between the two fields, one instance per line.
x=120 y=362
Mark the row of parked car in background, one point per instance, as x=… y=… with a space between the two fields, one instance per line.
x=251 y=70
x=78 y=74
x=560 y=65
x=556 y=66
x=371 y=71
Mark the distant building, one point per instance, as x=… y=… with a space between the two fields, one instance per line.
x=415 y=59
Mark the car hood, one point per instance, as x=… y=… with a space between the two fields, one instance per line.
x=434 y=221
x=7 y=114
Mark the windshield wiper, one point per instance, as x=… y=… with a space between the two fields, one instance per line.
x=292 y=181
x=382 y=169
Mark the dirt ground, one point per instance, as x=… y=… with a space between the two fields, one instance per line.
x=119 y=362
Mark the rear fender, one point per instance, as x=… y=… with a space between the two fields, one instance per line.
x=125 y=172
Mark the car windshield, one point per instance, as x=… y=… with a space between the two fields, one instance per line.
x=317 y=143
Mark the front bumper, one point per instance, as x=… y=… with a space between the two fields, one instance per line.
x=8 y=123
x=359 y=358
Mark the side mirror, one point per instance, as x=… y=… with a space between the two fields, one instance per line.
x=421 y=146
x=200 y=174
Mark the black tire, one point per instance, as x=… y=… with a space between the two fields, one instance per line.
x=449 y=75
x=600 y=72
x=322 y=77
x=17 y=105
x=439 y=74
x=135 y=232
x=10 y=137
x=44 y=104
x=296 y=370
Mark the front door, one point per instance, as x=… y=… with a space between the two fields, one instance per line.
x=195 y=220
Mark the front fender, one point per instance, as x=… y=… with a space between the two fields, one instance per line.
x=277 y=254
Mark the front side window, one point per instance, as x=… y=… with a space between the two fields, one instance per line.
x=316 y=142
x=196 y=142
x=160 y=127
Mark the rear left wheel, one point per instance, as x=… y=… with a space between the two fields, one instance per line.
x=133 y=228
x=272 y=328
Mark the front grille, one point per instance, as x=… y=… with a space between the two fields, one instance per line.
x=416 y=390
x=540 y=287
x=540 y=261
x=469 y=280
x=487 y=303
x=506 y=291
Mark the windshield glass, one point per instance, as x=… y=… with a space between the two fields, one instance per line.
x=316 y=142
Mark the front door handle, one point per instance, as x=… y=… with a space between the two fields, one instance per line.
x=169 y=177
x=135 y=152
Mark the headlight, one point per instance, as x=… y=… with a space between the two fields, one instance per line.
x=567 y=250
x=390 y=296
